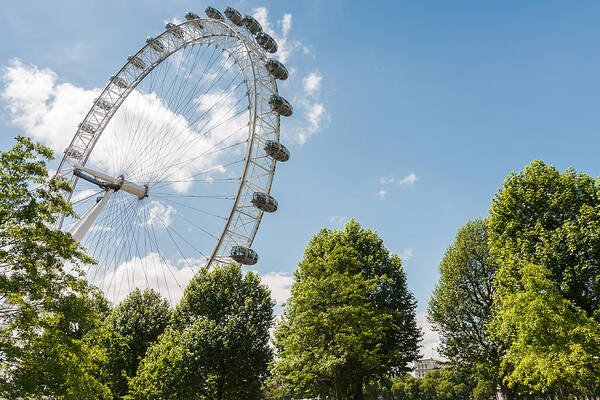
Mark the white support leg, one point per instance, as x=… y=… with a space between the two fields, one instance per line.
x=82 y=226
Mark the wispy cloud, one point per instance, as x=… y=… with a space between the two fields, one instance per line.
x=312 y=82
x=431 y=339
x=407 y=254
x=384 y=180
x=382 y=193
x=285 y=47
x=280 y=284
x=408 y=179
x=310 y=113
x=336 y=219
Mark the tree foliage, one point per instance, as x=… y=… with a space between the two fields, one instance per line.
x=462 y=304
x=543 y=228
x=46 y=308
x=350 y=317
x=139 y=320
x=442 y=384
x=217 y=344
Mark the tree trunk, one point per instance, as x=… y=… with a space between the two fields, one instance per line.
x=507 y=394
x=357 y=389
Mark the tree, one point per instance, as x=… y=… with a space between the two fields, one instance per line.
x=543 y=228
x=216 y=346
x=139 y=319
x=555 y=346
x=462 y=304
x=350 y=318
x=46 y=309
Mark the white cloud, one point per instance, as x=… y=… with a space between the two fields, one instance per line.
x=408 y=179
x=159 y=215
x=314 y=114
x=381 y=194
x=385 y=180
x=285 y=47
x=312 y=83
x=280 y=284
x=309 y=113
x=151 y=271
x=336 y=219
x=407 y=254
x=49 y=111
x=286 y=24
x=431 y=339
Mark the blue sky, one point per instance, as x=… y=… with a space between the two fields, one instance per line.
x=426 y=106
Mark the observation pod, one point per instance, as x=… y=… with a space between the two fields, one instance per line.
x=234 y=16
x=190 y=16
x=103 y=104
x=280 y=105
x=87 y=127
x=251 y=24
x=264 y=202
x=136 y=62
x=73 y=153
x=277 y=69
x=213 y=13
x=174 y=30
x=244 y=255
x=156 y=44
x=120 y=82
x=266 y=42
x=277 y=151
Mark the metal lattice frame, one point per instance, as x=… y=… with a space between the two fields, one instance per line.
x=258 y=171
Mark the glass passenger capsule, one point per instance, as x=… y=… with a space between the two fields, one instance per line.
x=136 y=62
x=190 y=16
x=213 y=13
x=233 y=15
x=73 y=153
x=244 y=255
x=156 y=44
x=277 y=69
x=266 y=42
x=264 y=202
x=174 y=30
x=280 y=105
x=120 y=82
x=103 y=104
x=276 y=151
x=251 y=24
x=87 y=127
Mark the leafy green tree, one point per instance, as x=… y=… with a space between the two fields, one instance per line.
x=216 y=346
x=462 y=304
x=139 y=319
x=543 y=228
x=350 y=318
x=46 y=309
x=406 y=387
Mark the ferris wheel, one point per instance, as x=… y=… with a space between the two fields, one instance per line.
x=173 y=164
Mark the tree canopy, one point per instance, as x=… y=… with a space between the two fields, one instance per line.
x=543 y=228
x=46 y=308
x=350 y=317
x=462 y=304
x=216 y=346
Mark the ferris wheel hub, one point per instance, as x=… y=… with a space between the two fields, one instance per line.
x=106 y=181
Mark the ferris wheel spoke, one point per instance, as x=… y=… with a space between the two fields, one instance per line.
x=210 y=151
x=189 y=145
x=195 y=209
x=107 y=240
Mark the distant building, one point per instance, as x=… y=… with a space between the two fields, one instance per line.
x=424 y=365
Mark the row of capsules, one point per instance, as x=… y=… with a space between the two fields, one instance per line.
x=274 y=149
